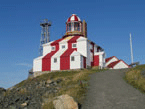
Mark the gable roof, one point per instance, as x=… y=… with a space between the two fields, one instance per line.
x=108 y=59
x=111 y=65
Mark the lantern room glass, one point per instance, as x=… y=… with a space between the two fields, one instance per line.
x=73 y=26
x=76 y=26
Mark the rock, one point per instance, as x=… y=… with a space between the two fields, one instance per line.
x=58 y=87
x=47 y=85
x=53 y=83
x=2 y=90
x=65 y=102
x=12 y=107
x=59 y=80
x=48 y=81
x=24 y=104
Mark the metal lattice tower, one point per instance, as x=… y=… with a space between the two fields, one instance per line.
x=45 y=34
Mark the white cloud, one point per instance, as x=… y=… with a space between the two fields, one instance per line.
x=24 y=64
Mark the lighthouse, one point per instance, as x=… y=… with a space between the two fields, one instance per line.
x=73 y=51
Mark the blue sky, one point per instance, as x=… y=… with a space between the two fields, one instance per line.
x=109 y=24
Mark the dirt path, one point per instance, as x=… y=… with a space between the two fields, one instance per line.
x=108 y=90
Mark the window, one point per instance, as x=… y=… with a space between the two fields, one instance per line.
x=69 y=27
x=74 y=45
x=76 y=26
x=55 y=60
x=53 y=48
x=63 y=46
x=72 y=58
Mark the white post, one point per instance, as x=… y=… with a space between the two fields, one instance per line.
x=131 y=49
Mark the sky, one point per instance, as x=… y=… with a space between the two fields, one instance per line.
x=109 y=24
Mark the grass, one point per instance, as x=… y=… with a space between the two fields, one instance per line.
x=75 y=83
x=134 y=77
x=72 y=84
x=7 y=92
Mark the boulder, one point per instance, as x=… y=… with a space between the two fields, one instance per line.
x=47 y=85
x=65 y=102
x=24 y=104
x=59 y=80
x=48 y=81
x=2 y=90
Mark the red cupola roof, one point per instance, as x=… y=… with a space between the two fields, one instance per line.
x=73 y=18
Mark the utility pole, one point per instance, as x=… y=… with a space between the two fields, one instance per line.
x=131 y=48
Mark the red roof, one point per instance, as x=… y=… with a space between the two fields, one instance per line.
x=68 y=52
x=108 y=59
x=55 y=43
x=111 y=65
x=73 y=17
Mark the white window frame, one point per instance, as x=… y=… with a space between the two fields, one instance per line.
x=53 y=49
x=72 y=57
x=74 y=44
x=63 y=46
x=55 y=60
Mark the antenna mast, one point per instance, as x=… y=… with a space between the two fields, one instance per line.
x=131 y=48
x=45 y=34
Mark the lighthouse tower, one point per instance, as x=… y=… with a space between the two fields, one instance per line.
x=74 y=26
x=73 y=51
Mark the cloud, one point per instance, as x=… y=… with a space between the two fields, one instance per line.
x=24 y=64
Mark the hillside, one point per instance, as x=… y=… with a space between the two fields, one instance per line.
x=39 y=92
x=136 y=77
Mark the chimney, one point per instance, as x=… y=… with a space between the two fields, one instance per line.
x=84 y=28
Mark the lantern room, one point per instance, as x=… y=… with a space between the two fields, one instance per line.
x=73 y=25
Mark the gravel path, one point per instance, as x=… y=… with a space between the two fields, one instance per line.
x=108 y=90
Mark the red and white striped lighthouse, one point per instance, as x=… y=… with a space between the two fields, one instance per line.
x=72 y=51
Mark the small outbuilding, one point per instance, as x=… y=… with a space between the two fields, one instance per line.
x=114 y=63
x=110 y=60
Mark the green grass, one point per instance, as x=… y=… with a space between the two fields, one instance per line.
x=72 y=78
x=75 y=84
x=134 y=77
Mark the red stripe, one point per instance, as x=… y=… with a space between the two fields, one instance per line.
x=69 y=19
x=46 y=61
x=84 y=62
x=96 y=60
x=76 y=18
x=65 y=57
x=111 y=65
x=92 y=63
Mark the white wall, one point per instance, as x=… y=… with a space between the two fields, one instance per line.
x=88 y=59
x=77 y=63
x=82 y=62
x=120 y=65
x=95 y=49
x=104 y=56
x=55 y=66
x=101 y=58
x=82 y=46
x=46 y=48
x=111 y=60
x=37 y=64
